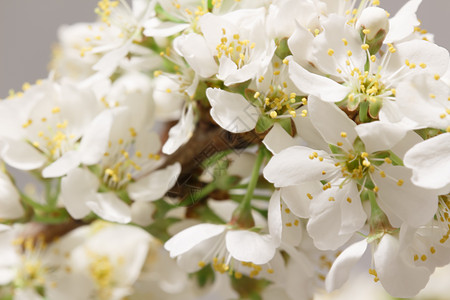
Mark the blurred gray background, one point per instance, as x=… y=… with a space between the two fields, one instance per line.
x=28 y=29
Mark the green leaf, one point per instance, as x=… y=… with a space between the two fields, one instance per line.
x=263 y=124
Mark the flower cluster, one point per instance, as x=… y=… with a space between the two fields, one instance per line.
x=228 y=148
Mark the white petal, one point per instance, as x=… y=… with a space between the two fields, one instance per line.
x=10 y=207
x=180 y=133
x=192 y=236
x=250 y=246
x=296 y=197
x=141 y=213
x=155 y=185
x=405 y=200
x=404 y=21
x=231 y=111
x=293 y=166
x=109 y=207
x=300 y=44
x=398 y=277
x=77 y=188
x=424 y=99
x=194 y=49
x=278 y=139
x=69 y=161
x=330 y=121
x=21 y=155
x=430 y=162
x=95 y=140
x=156 y=28
x=380 y=136
x=320 y=86
x=274 y=217
x=343 y=265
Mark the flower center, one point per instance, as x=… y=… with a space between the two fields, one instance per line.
x=237 y=49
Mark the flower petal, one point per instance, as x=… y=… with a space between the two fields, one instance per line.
x=10 y=207
x=322 y=87
x=231 y=111
x=430 y=162
x=343 y=265
x=250 y=246
x=77 y=188
x=21 y=155
x=191 y=237
x=293 y=166
x=155 y=185
x=109 y=207
x=380 y=136
x=398 y=277
x=274 y=217
x=399 y=196
x=404 y=21
x=69 y=161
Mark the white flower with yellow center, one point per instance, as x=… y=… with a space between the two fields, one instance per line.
x=122 y=27
x=425 y=99
x=47 y=123
x=356 y=163
x=235 y=41
x=269 y=99
x=361 y=79
x=94 y=267
x=229 y=248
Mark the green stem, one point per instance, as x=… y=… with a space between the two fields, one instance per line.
x=254 y=179
x=242 y=215
x=195 y=197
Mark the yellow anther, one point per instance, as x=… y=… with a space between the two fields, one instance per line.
x=349 y=53
x=373 y=58
x=285 y=61
x=423 y=65
x=387 y=160
x=56 y=109
x=276 y=73
x=310 y=197
x=376 y=189
x=365 y=47
x=349 y=200
x=366 y=31
x=423 y=257
x=432 y=250
x=324 y=172
x=273 y=114
x=331 y=199
x=256 y=95
x=330 y=52
x=432 y=96
x=437 y=76
x=340 y=144
x=287 y=210
x=345 y=42
x=343 y=134
x=400 y=182
x=288 y=224
x=201 y=264
x=366 y=163
x=416 y=257
x=364 y=155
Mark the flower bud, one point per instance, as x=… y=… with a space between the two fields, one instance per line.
x=374 y=25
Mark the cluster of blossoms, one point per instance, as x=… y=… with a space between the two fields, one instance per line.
x=190 y=149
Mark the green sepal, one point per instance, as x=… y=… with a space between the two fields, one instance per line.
x=264 y=123
x=250 y=96
x=336 y=149
x=379 y=155
x=375 y=107
x=396 y=161
x=165 y=16
x=283 y=50
x=363 y=110
x=205 y=276
x=210 y=5
x=352 y=105
x=358 y=145
x=287 y=125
